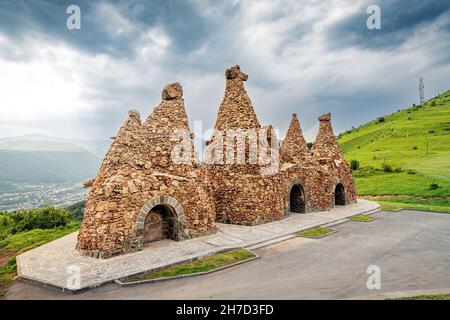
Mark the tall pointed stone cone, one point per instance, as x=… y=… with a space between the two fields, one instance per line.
x=236 y=125
x=236 y=110
x=294 y=148
x=326 y=145
x=238 y=137
x=112 y=189
x=167 y=134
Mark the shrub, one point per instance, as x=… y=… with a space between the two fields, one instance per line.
x=43 y=218
x=410 y=171
x=386 y=167
x=398 y=170
x=4 y=221
x=431 y=131
x=310 y=145
x=433 y=103
x=77 y=209
x=415 y=148
x=434 y=186
x=381 y=120
x=354 y=164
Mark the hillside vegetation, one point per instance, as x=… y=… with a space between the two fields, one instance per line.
x=27 y=229
x=405 y=153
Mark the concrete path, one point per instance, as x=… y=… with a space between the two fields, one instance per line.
x=55 y=263
x=411 y=249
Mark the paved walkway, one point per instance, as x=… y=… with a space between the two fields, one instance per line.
x=55 y=263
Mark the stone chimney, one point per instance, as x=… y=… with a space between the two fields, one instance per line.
x=236 y=110
x=294 y=148
x=326 y=145
x=165 y=128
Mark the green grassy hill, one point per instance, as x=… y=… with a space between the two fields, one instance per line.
x=405 y=153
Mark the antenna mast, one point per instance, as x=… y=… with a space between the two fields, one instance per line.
x=421 y=92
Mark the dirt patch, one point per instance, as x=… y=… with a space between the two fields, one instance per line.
x=4 y=258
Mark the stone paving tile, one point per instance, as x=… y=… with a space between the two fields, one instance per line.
x=224 y=241
x=49 y=263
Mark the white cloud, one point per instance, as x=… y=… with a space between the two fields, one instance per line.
x=44 y=86
x=112 y=21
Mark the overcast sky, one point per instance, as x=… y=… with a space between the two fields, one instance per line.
x=305 y=57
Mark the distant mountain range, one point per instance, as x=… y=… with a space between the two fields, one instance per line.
x=44 y=159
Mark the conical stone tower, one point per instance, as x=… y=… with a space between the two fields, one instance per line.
x=239 y=185
x=236 y=110
x=338 y=176
x=107 y=214
x=326 y=146
x=294 y=148
x=168 y=136
x=149 y=187
x=233 y=145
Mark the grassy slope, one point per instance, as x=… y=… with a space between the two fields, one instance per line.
x=394 y=203
x=14 y=245
x=401 y=141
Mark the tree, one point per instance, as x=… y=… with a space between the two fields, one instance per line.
x=354 y=164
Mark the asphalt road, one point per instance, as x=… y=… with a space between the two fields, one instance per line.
x=412 y=250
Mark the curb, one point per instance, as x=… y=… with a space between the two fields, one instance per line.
x=164 y=279
x=270 y=242
x=293 y=234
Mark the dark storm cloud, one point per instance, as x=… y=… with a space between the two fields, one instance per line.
x=400 y=20
x=179 y=19
x=306 y=57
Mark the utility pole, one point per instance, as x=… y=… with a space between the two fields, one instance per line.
x=421 y=92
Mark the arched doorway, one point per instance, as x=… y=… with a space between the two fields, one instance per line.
x=160 y=218
x=297 y=199
x=339 y=195
x=160 y=223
